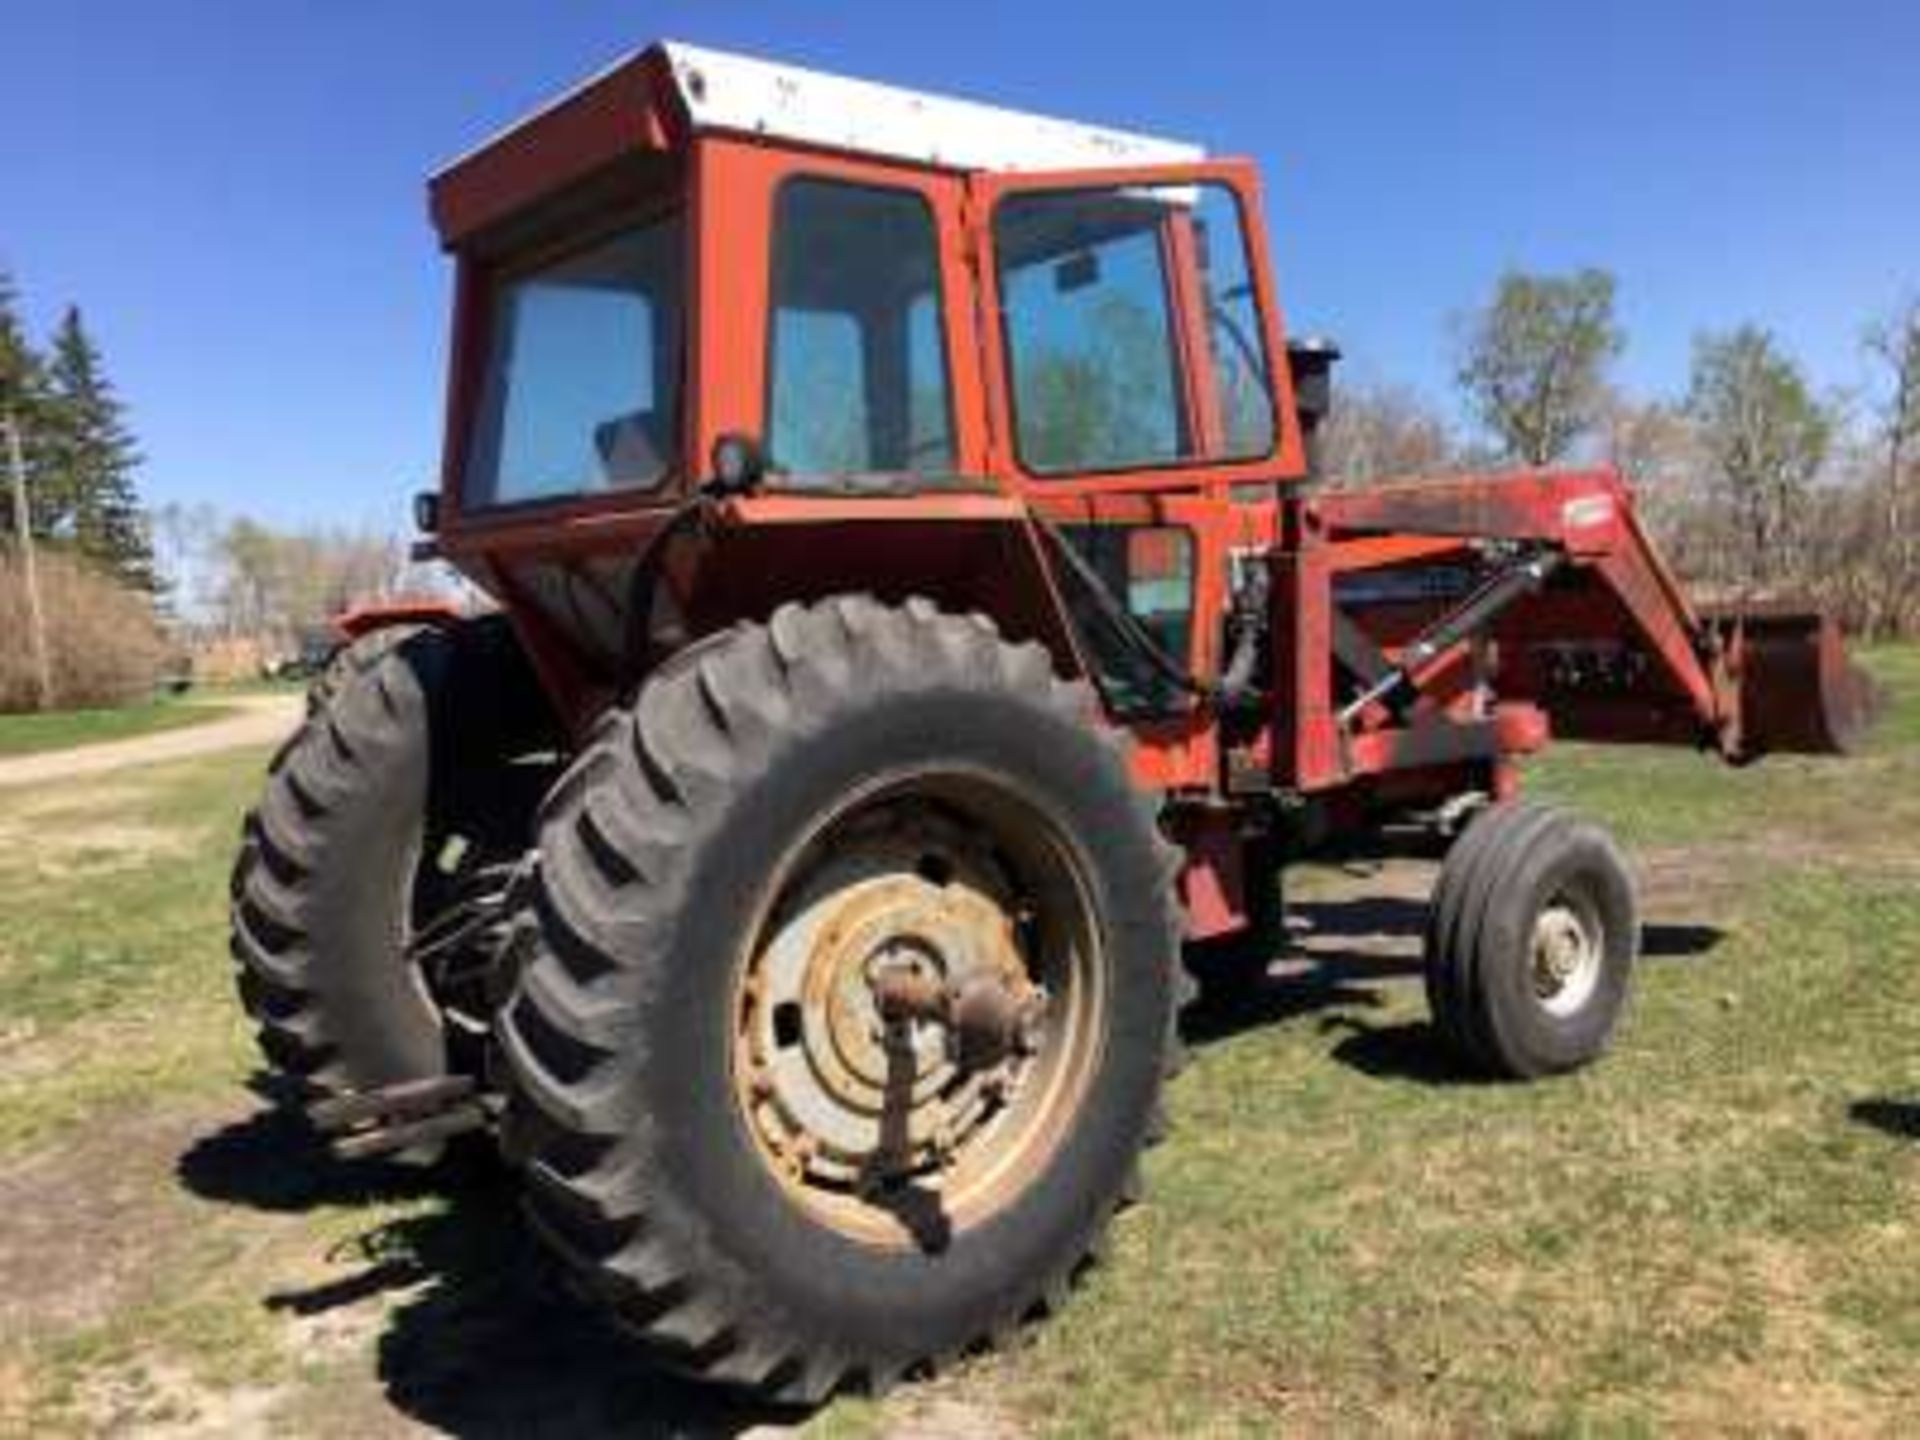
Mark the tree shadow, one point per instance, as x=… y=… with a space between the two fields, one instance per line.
x=1337 y=929
x=1277 y=1000
x=480 y=1339
x=1377 y=917
x=1899 y=1118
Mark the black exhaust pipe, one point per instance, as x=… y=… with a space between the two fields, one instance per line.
x=1310 y=362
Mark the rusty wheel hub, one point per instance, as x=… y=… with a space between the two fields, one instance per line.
x=896 y=1035
x=1566 y=956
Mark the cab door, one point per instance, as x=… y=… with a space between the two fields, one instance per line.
x=1131 y=330
x=1131 y=341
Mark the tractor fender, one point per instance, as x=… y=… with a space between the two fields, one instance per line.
x=350 y=624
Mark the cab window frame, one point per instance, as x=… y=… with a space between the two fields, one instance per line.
x=1131 y=687
x=801 y=480
x=1183 y=328
x=528 y=258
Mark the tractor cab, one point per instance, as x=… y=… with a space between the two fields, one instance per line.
x=868 y=281
x=870 y=294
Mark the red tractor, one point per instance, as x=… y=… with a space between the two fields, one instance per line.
x=920 y=645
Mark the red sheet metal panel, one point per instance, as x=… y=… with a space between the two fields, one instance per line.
x=628 y=109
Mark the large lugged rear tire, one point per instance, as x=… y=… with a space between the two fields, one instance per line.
x=353 y=660
x=1531 y=944
x=785 y=808
x=352 y=851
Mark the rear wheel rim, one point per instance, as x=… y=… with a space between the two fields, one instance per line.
x=871 y=1128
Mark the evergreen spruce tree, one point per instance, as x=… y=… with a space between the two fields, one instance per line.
x=93 y=459
x=24 y=401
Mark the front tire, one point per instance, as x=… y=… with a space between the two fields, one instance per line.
x=1531 y=942
x=694 y=1056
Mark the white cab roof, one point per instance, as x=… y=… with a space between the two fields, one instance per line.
x=758 y=97
x=744 y=95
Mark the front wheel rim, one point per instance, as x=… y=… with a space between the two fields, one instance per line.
x=1566 y=955
x=872 y=1128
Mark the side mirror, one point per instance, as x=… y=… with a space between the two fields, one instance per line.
x=426 y=511
x=739 y=464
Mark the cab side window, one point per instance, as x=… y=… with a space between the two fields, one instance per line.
x=1093 y=284
x=1149 y=569
x=856 y=365
x=1089 y=332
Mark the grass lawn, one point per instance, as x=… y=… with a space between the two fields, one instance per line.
x=64 y=729
x=1713 y=1229
x=292 y=685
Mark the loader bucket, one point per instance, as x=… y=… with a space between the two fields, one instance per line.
x=1797 y=692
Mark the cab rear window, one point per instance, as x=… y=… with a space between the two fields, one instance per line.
x=856 y=362
x=581 y=393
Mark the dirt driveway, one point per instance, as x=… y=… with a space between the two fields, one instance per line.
x=261 y=719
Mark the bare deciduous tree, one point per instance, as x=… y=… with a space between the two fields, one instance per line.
x=267 y=583
x=1652 y=443
x=1764 y=436
x=1378 y=432
x=1894 y=344
x=1534 y=361
x=186 y=552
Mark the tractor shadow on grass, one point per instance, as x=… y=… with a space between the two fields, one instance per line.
x=1343 y=955
x=476 y=1336
x=1340 y=957
x=1899 y=1118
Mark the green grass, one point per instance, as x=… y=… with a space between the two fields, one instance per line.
x=121 y=1046
x=112 y=954
x=64 y=729
x=1714 y=1229
x=1340 y=1234
x=255 y=687
x=1707 y=1229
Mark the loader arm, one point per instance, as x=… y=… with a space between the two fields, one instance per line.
x=1467 y=618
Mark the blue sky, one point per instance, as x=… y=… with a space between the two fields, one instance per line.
x=232 y=189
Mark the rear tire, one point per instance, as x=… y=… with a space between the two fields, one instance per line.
x=352 y=660
x=755 y=779
x=394 y=802
x=1532 y=940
